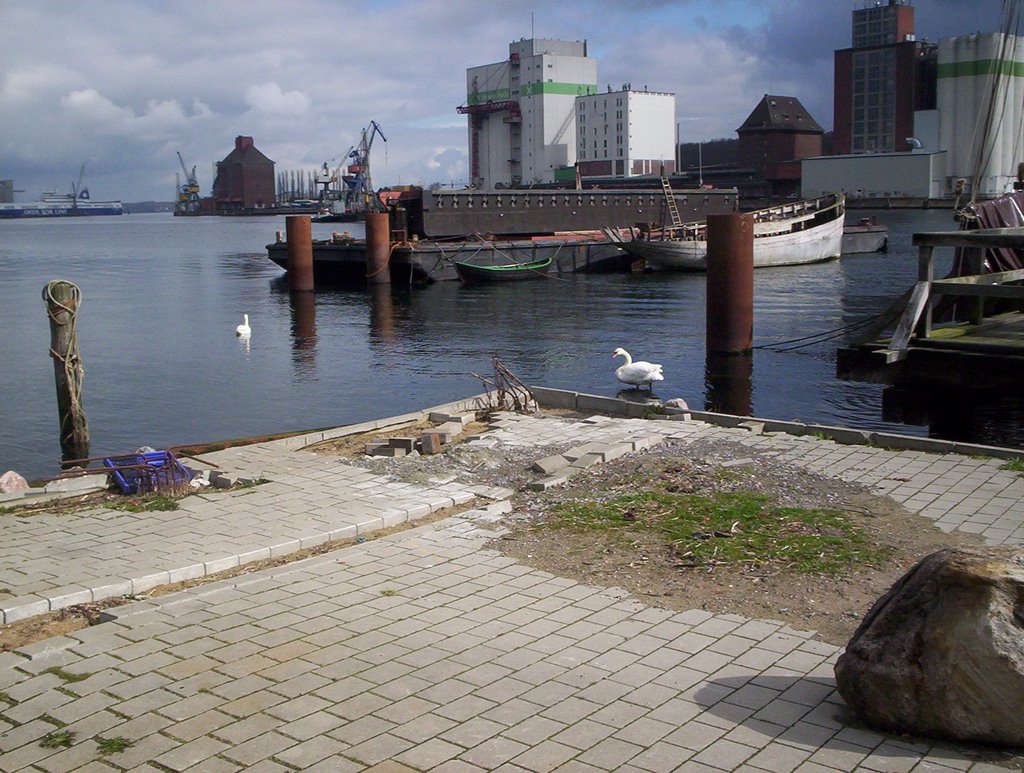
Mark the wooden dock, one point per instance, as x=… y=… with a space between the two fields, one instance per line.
x=985 y=351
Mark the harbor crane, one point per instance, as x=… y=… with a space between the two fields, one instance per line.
x=188 y=193
x=362 y=194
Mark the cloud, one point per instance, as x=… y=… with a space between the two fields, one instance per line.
x=269 y=98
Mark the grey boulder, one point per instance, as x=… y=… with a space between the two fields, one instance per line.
x=942 y=653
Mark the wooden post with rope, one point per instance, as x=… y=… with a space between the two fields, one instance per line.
x=62 y=299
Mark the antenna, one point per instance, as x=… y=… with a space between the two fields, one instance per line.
x=531 y=24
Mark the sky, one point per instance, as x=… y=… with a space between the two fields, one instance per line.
x=123 y=86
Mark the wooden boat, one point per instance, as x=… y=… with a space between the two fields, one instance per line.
x=867 y=235
x=512 y=272
x=808 y=231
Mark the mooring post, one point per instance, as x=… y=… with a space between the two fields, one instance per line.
x=378 y=248
x=730 y=284
x=299 y=233
x=62 y=299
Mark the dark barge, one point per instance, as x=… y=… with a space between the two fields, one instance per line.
x=432 y=229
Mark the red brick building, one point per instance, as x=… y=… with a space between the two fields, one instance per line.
x=776 y=135
x=245 y=178
x=881 y=80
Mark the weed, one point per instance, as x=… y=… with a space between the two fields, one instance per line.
x=389 y=592
x=731 y=528
x=5 y=698
x=57 y=739
x=53 y=720
x=145 y=504
x=67 y=676
x=112 y=745
x=1013 y=465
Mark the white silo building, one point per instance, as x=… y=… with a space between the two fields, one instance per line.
x=522 y=111
x=967 y=66
x=626 y=133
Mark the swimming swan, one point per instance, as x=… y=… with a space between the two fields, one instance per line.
x=244 y=330
x=637 y=373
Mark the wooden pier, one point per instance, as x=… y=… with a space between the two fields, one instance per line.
x=984 y=352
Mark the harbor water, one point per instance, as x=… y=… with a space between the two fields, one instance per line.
x=162 y=297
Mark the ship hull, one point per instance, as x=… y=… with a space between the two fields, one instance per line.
x=60 y=209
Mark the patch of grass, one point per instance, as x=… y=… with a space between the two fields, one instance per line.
x=112 y=745
x=67 y=676
x=1013 y=465
x=145 y=504
x=732 y=528
x=57 y=739
x=389 y=592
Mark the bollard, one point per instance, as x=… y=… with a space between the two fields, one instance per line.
x=299 y=233
x=730 y=284
x=378 y=248
x=728 y=380
x=62 y=299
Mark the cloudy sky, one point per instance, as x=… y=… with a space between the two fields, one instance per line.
x=123 y=85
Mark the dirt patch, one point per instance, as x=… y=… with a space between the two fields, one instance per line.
x=640 y=561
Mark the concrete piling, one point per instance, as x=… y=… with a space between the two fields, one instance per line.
x=378 y=248
x=730 y=283
x=299 y=233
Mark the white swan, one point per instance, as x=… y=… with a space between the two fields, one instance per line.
x=637 y=373
x=244 y=330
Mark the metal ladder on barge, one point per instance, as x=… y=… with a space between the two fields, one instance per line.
x=670 y=203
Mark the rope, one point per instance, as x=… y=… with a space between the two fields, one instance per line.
x=818 y=338
x=72 y=422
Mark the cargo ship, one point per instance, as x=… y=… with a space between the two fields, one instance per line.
x=62 y=205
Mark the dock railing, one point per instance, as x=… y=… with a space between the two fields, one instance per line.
x=917 y=316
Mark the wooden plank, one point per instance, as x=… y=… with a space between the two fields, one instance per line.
x=907 y=323
x=997 y=277
x=982 y=237
x=979 y=290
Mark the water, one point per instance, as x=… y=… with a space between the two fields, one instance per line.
x=162 y=297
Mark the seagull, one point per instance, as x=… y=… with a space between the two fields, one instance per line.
x=244 y=330
x=637 y=373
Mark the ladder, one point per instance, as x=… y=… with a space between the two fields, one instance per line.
x=670 y=202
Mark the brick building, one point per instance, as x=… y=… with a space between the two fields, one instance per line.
x=777 y=134
x=245 y=178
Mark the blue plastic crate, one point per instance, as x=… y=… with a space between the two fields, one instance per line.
x=151 y=471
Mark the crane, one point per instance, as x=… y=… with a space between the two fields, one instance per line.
x=361 y=186
x=188 y=194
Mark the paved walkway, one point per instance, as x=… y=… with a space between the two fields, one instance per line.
x=425 y=650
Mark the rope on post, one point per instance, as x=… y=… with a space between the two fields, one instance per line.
x=62 y=299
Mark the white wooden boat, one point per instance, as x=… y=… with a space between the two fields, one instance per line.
x=808 y=231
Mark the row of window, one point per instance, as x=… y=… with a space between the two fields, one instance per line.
x=524 y=200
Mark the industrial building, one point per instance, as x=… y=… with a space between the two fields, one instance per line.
x=882 y=80
x=245 y=179
x=522 y=111
x=966 y=67
x=625 y=133
x=917 y=174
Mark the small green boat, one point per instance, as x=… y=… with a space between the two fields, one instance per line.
x=513 y=272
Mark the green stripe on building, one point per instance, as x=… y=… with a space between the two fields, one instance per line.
x=498 y=95
x=546 y=87
x=981 y=67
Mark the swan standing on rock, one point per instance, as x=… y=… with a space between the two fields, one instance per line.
x=244 y=330
x=637 y=373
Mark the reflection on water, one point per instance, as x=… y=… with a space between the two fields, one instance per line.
x=729 y=383
x=162 y=297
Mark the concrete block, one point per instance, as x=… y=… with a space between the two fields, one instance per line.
x=595 y=404
x=453 y=427
x=223 y=479
x=576 y=452
x=549 y=465
x=443 y=437
x=390 y=451
x=372 y=448
x=615 y=451
x=647 y=441
x=24 y=607
x=405 y=443
x=548 y=483
x=587 y=460
x=755 y=427
x=462 y=419
x=554 y=398
x=909 y=443
x=430 y=443
x=81 y=485
x=746 y=461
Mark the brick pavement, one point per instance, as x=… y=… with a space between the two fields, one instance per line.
x=429 y=651
x=425 y=649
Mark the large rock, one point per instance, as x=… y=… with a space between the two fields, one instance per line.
x=10 y=482
x=942 y=653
